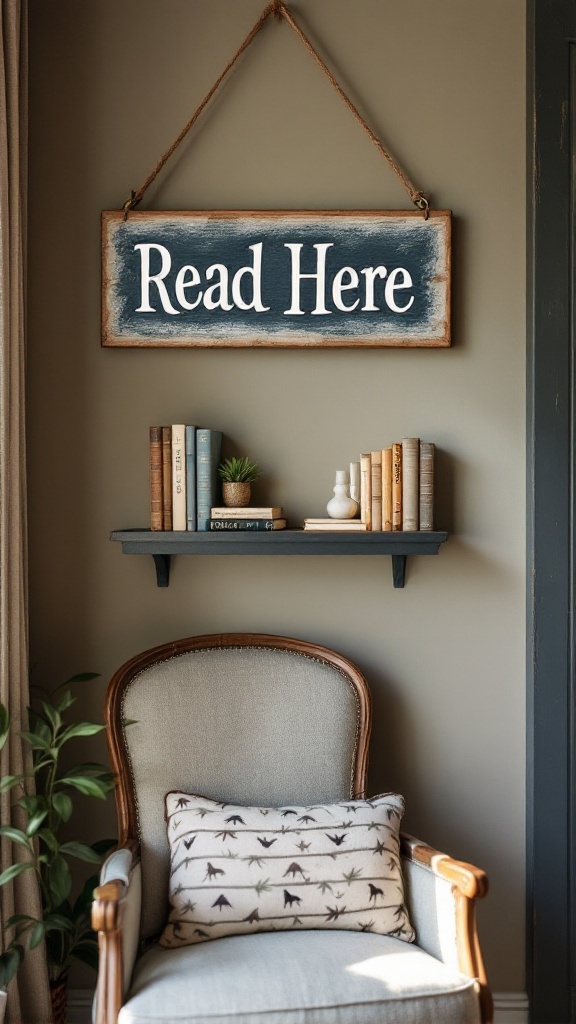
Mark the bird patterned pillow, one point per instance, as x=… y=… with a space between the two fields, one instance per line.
x=236 y=869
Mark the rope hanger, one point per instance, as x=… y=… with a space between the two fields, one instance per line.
x=280 y=11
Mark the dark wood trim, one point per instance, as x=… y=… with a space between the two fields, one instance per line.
x=123 y=677
x=550 y=687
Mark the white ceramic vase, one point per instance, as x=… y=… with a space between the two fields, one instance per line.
x=342 y=506
x=3 y=998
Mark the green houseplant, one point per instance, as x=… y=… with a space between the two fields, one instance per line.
x=237 y=474
x=35 y=828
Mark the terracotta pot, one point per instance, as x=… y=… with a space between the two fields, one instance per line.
x=236 y=494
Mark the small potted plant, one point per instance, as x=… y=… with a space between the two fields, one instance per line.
x=237 y=474
x=36 y=827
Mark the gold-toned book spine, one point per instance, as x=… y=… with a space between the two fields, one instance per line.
x=397 y=486
x=155 y=478
x=427 y=452
x=376 y=476
x=166 y=478
x=410 y=485
x=387 y=489
x=178 y=477
x=366 y=489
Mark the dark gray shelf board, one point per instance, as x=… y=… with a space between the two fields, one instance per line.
x=161 y=545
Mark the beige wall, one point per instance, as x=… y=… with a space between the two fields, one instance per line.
x=112 y=83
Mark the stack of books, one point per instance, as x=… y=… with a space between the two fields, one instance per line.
x=245 y=518
x=397 y=486
x=335 y=524
x=184 y=481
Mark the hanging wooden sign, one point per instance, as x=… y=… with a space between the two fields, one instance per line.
x=276 y=279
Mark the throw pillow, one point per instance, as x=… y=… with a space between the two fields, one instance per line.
x=250 y=869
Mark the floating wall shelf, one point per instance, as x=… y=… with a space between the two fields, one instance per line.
x=162 y=544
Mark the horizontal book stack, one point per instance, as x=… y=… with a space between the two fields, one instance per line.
x=245 y=518
x=397 y=486
x=184 y=482
x=335 y=525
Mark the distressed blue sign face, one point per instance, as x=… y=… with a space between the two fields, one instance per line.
x=276 y=279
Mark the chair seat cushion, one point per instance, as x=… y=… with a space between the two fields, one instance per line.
x=298 y=977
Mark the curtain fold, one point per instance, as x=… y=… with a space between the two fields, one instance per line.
x=29 y=998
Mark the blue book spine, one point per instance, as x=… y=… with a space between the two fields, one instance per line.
x=190 y=478
x=208 y=447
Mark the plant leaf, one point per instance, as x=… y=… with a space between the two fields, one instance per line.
x=14 y=870
x=66 y=701
x=8 y=782
x=62 y=804
x=60 y=923
x=81 y=729
x=35 y=822
x=14 y=834
x=9 y=963
x=102 y=846
x=37 y=934
x=46 y=835
x=87 y=786
x=52 y=714
x=87 y=952
x=82 y=677
x=4 y=725
x=35 y=741
x=81 y=851
x=31 y=804
x=59 y=880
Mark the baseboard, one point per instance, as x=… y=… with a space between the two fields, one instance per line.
x=509 y=1007
x=79 y=1005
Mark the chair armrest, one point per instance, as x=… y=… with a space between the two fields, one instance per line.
x=441 y=895
x=116 y=919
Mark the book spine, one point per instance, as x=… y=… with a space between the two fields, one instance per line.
x=366 y=489
x=190 y=446
x=247 y=524
x=155 y=457
x=387 y=489
x=396 y=486
x=410 y=483
x=178 y=477
x=167 y=478
x=376 y=477
x=426 y=485
x=208 y=444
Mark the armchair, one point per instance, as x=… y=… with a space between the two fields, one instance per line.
x=269 y=721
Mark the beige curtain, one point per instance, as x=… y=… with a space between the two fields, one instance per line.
x=28 y=999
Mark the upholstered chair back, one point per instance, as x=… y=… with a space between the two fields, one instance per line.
x=247 y=719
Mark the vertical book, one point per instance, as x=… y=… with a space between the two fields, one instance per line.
x=410 y=483
x=426 y=485
x=166 y=478
x=387 y=489
x=396 y=486
x=208 y=447
x=155 y=478
x=178 y=477
x=376 y=477
x=190 y=447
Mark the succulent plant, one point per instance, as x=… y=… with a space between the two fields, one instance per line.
x=238 y=470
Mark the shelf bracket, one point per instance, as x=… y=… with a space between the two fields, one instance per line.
x=398 y=571
x=162 y=563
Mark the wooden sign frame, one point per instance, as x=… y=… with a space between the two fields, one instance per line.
x=276 y=279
